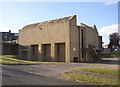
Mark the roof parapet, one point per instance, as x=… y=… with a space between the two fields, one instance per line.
x=50 y=21
x=84 y=25
x=72 y=17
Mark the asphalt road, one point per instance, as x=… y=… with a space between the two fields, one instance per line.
x=38 y=74
x=11 y=76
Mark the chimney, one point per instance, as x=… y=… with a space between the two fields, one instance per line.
x=9 y=31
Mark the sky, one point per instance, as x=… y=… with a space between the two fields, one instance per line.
x=15 y=15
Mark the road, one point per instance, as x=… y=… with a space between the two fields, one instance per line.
x=46 y=74
x=12 y=76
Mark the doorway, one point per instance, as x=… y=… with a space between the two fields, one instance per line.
x=60 y=52
x=34 y=52
x=46 y=52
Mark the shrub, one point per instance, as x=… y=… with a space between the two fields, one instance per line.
x=111 y=54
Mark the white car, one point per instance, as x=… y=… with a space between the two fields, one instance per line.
x=117 y=50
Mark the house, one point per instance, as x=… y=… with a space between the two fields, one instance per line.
x=8 y=36
x=9 y=43
x=59 y=40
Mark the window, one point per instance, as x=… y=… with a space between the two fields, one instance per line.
x=5 y=37
x=82 y=39
x=16 y=34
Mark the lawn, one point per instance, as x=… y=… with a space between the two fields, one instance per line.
x=91 y=79
x=105 y=71
x=14 y=60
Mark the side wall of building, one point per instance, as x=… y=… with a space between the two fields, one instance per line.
x=74 y=40
x=90 y=43
x=91 y=37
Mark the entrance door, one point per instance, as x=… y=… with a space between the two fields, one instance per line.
x=34 y=52
x=46 y=49
x=60 y=52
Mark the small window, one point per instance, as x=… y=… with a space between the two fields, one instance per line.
x=5 y=37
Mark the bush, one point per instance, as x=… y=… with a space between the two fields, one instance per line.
x=111 y=54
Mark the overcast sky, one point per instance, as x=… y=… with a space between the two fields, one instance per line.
x=15 y=15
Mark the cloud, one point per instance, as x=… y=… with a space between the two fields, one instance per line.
x=106 y=30
x=110 y=2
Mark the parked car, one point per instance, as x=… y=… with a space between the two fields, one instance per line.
x=117 y=50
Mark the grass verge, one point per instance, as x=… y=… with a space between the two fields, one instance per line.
x=14 y=60
x=105 y=71
x=92 y=80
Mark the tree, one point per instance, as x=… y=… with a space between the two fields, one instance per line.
x=114 y=40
